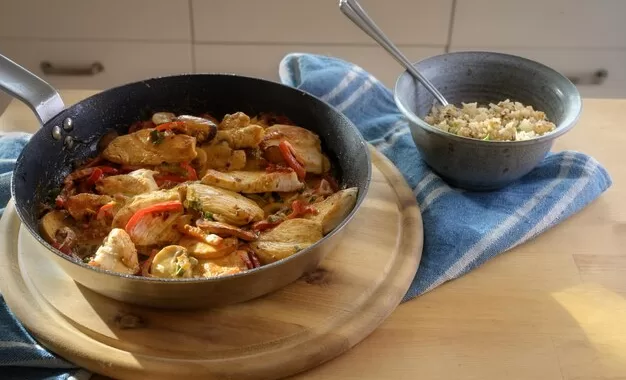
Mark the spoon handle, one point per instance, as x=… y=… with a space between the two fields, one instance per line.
x=353 y=10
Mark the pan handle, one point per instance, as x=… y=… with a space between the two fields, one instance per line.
x=36 y=93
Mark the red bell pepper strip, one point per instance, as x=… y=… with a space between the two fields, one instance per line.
x=191 y=172
x=264 y=225
x=169 y=126
x=290 y=157
x=95 y=176
x=298 y=209
x=165 y=178
x=105 y=209
x=170 y=206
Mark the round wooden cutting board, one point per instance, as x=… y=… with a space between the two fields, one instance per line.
x=289 y=331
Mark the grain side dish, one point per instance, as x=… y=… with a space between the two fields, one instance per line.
x=505 y=121
x=181 y=196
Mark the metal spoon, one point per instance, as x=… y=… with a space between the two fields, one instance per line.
x=357 y=15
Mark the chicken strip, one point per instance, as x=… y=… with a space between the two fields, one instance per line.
x=222 y=157
x=236 y=120
x=141 y=201
x=231 y=264
x=150 y=147
x=136 y=182
x=239 y=138
x=307 y=145
x=203 y=250
x=117 y=253
x=334 y=209
x=84 y=204
x=253 y=182
x=286 y=239
x=222 y=205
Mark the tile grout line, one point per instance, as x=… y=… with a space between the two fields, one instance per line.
x=451 y=26
x=193 y=37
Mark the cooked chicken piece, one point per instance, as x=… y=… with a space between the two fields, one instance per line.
x=203 y=250
x=222 y=205
x=224 y=229
x=136 y=182
x=230 y=264
x=239 y=138
x=200 y=234
x=173 y=261
x=150 y=147
x=156 y=229
x=254 y=160
x=236 y=120
x=143 y=200
x=332 y=210
x=306 y=144
x=253 y=182
x=200 y=128
x=287 y=238
x=222 y=157
x=117 y=253
x=84 y=204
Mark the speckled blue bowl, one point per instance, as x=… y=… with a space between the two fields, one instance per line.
x=485 y=77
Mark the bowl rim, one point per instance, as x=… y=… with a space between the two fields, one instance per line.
x=568 y=123
x=250 y=272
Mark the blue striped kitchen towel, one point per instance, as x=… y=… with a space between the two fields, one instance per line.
x=462 y=229
x=21 y=357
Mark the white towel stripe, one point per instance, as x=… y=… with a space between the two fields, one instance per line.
x=430 y=198
x=395 y=128
x=489 y=239
x=563 y=203
x=355 y=95
x=428 y=178
x=12 y=344
x=351 y=76
x=392 y=140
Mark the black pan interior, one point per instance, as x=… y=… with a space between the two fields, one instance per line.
x=44 y=162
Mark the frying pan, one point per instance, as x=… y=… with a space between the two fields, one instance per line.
x=71 y=134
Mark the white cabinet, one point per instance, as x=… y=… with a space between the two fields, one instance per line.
x=539 y=24
x=137 y=39
x=415 y=22
x=581 y=65
x=263 y=61
x=121 y=61
x=145 y=20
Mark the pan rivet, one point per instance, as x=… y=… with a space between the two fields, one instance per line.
x=68 y=124
x=69 y=142
x=56 y=132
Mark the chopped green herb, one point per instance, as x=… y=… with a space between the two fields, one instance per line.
x=312 y=199
x=156 y=137
x=195 y=205
x=273 y=218
x=179 y=270
x=486 y=138
x=87 y=259
x=207 y=215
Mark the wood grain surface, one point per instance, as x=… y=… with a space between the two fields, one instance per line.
x=299 y=327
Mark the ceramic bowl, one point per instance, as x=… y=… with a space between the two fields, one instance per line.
x=485 y=77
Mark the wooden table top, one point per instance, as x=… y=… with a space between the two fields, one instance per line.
x=553 y=308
